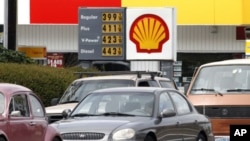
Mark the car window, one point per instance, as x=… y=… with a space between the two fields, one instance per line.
x=19 y=105
x=138 y=104
x=167 y=84
x=105 y=104
x=143 y=84
x=86 y=107
x=2 y=103
x=148 y=83
x=36 y=107
x=181 y=104
x=153 y=83
x=87 y=86
x=223 y=79
x=72 y=87
x=165 y=102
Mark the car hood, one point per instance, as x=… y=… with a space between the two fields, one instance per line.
x=102 y=124
x=58 y=109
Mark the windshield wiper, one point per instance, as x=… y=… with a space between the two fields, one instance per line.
x=115 y=114
x=82 y=115
x=209 y=90
x=238 y=90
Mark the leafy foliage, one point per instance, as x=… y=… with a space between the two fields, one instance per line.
x=11 y=56
x=46 y=82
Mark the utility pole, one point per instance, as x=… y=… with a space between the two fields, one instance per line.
x=10 y=24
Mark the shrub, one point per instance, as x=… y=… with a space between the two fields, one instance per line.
x=11 y=56
x=47 y=82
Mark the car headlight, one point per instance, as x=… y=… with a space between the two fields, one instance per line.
x=124 y=134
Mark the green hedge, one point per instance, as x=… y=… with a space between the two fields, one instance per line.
x=11 y=56
x=45 y=81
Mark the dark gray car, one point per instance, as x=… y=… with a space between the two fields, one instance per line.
x=135 y=113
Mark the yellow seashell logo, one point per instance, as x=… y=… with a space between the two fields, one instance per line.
x=149 y=32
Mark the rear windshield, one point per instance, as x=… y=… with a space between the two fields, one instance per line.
x=78 y=90
x=228 y=79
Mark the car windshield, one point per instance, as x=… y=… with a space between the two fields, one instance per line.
x=2 y=103
x=116 y=104
x=222 y=79
x=78 y=90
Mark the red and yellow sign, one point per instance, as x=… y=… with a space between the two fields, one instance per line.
x=190 y=12
x=247 y=47
x=149 y=32
x=63 y=11
x=33 y=51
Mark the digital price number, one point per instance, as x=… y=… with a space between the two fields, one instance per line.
x=111 y=51
x=111 y=28
x=112 y=34
x=112 y=17
x=55 y=62
x=111 y=39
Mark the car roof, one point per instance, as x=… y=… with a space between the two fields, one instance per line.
x=132 y=89
x=122 y=77
x=229 y=62
x=8 y=88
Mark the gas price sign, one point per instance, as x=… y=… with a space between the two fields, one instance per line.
x=101 y=34
x=55 y=60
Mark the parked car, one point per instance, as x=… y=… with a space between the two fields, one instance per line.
x=22 y=116
x=221 y=90
x=79 y=88
x=135 y=113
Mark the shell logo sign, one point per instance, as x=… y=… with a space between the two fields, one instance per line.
x=151 y=34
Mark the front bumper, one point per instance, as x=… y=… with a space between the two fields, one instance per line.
x=222 y=138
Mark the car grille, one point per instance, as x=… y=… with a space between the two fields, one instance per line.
x=82 y=136
x=225 y=111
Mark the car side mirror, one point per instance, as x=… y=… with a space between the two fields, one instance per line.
x=168 y=113
x=66 y=113
x=54 y=101
x=15 y=114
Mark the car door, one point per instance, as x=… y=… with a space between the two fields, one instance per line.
x=188 y=123
x=22 y=125
x=168 y=127
x=39 y=120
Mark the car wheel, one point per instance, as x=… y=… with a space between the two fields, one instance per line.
x=2 y=139
x=55 y=139
x=149 y=138
x=201 y=137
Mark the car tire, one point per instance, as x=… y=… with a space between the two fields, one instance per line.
x=149 y=138
x=55 y=139
x=2 y=139
x=201 y=137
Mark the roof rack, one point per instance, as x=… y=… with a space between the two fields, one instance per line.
x=139 y=73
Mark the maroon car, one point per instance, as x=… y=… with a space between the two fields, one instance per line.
x=22 y=116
